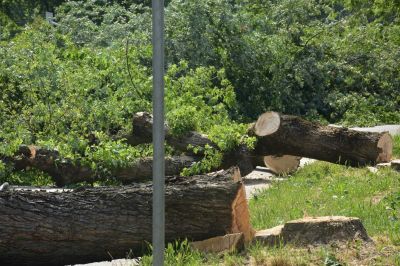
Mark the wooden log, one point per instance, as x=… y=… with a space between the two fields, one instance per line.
x=142 y=132
x=142 y=169
x=64 y=226
x=284 y=134
x=65 y=172
x=142 y=124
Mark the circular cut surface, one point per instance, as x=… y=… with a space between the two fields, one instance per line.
x=285 y=164
x=267 y=124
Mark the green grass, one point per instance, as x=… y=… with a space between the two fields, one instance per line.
x=323 y=189
x=396 y=146
x=316 y=190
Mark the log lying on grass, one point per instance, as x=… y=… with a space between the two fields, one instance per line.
x=276 y=134
x=280 y=135
x=284 y=134
x=65 y=171
x=59 y=227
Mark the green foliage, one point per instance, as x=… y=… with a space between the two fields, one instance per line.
x=103 y=23
x=211 y=160
x=292 y=56
x=30 y=177
x=75 y=86
x=331 y=260
x=193 y=95
x=396 y=146
x=178 y=253
x=229 y=136
x=368 y=110
x=14 y=14
x=76 y=99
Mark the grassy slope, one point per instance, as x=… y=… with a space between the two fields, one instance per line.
x=327 y=189
x=321 y=189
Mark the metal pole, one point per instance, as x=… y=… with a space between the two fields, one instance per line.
x=158 y=134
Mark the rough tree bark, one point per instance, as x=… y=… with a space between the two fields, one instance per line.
x=142 y=124
x=65 y=172
x=142 y=131
x=59 y=227
x=279 y=134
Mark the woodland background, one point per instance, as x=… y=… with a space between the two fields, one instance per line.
x=75 y=86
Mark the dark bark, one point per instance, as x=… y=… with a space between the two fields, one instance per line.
x=65 y=172
x=290 y=135
x=142 y=169
x=59 y=227
x=142 y=132
x=142 y=124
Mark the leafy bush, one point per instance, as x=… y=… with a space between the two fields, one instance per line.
x=75 y=99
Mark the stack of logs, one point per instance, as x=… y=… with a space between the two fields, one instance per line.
x=64 y=226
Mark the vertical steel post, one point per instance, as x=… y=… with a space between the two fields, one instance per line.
x=158 y=134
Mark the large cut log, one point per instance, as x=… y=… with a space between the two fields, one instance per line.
x=64 y=226
x=65 y=171
x=290 y=135
x=277 y=135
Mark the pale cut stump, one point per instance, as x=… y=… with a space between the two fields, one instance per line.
x=314 y=231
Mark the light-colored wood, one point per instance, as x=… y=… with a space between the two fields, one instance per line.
x=385 y=144
x=267 y=124
x=282 y=165
x=314 y=230
x=241 y=216
x=226 y=243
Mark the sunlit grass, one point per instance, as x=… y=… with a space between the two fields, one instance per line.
x=396 y=146
x=323 y=189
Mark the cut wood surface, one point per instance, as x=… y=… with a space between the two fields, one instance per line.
x=314 y=230
x=280 y=165
x=218 y=244
x=279 y=134
x=59 y=227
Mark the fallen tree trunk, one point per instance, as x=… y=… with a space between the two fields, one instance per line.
x=65 y=172
x=142 y=124
x=59 y=227
x=279 y=134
